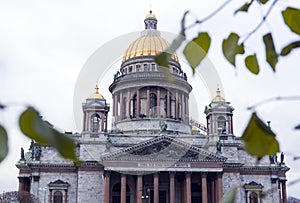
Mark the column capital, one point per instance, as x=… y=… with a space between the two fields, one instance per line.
x=203 y=174
x=106 y=173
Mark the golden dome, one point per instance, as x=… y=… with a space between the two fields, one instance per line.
x=218 y=97
x=150 y=43
x=96 y=94
x=150 y=15
x=147 y=45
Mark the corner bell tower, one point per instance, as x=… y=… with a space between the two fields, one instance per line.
x=219 y=119
x=95 y=112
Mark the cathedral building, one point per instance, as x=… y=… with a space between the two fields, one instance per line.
x=154 y=152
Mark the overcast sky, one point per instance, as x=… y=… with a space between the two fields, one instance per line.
x=45 y=44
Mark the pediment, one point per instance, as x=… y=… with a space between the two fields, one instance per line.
x=164 y=149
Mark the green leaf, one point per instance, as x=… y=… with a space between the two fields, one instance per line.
x=196 y=50
x=252 y=64
x=231 y=47
x=230 y=196
x=34 y=127
x=259 y=139
x=288 y=48
x=163 y=58
x=291 y=18
x=3 y=143
x=271 y=55
x=244 y=8
x=263 y=1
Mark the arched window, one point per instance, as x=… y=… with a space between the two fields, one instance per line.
x=153 y=103
x=166 y=105
x=134 y=106
x=221 y=125
x=253 y=197
x=95 y=122
x=57 y=197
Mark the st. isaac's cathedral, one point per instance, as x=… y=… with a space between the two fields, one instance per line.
x=154 y=151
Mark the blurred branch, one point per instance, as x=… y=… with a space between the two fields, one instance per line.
x=261 y=22
x=288 y=98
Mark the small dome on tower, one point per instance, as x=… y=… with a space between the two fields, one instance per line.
x=150 y=15
x=218 y=97
x=96 y=94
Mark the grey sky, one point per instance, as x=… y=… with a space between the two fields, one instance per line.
x=44 y=45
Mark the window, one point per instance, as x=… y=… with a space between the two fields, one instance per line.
x=153 y=103
x=95 y=122
x=134 y=106
x=153 y=67
x=57 y=197
x=146 y=67
x=130 y=69
x=138 y=68
x=253 y=197
x=221 y=125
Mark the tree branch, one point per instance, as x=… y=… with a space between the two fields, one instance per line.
x=288 y=98
x=261 y=22
x=209 y=16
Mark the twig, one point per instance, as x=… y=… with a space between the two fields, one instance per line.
x=288 y=98
x=209 y=16
x=261 y=22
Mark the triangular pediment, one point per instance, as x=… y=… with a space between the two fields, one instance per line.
x=164 y=148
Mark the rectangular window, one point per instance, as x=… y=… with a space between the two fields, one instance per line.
x=130 y=69
x=146 y=67
x=138 y=68
x=153 y=67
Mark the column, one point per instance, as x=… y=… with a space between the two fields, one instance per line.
x=139 y=189
x=105 y=122
x=158 y=102
x=172 y=187
x=176 y=105
x=102 y=121
x=168 y=104
x=182 y=107
x=188 y=187
x=50 y=195
x=116 y=106
x=283 y=191
x=204 y=187
x=106 y=186
x=148 y=103
x=121 y=107
x=66 y=196
x=187 y=108
x=123 y=188
x=156 y=188
x=219 y=187
x=213 y=191
x=128 y=104
x=138 y=104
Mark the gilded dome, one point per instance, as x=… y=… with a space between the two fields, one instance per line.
x=96 y=94
x=147 y=45
x=150 y=43
x=218 y=97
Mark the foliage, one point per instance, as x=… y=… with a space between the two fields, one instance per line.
x=3 y=143
x=230 y=196
x=259 y=139
x=34 y=127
